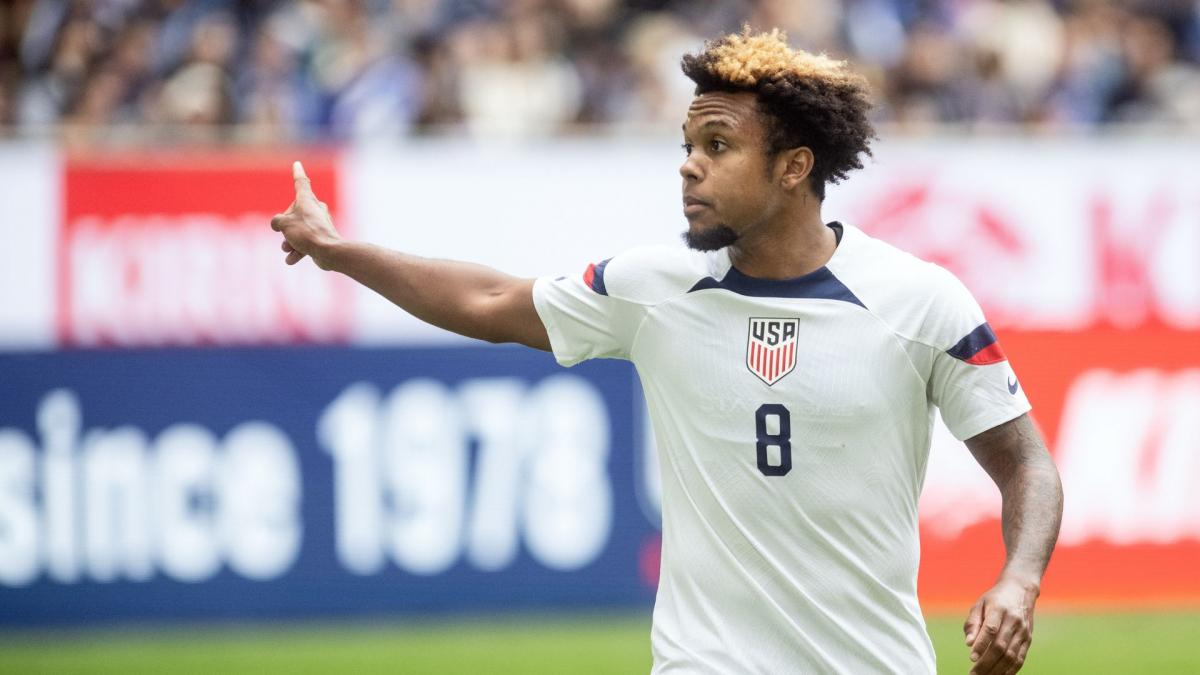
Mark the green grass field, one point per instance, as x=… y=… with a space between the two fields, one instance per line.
x=1130 y=643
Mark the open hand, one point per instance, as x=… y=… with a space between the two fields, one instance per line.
x=999 y=628
x=306 y=225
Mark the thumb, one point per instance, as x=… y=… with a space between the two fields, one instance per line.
x=974 y=619
x=300 y=179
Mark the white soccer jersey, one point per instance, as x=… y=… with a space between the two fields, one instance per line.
x=793 y=422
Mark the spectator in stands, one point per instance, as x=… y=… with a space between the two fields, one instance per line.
x=278 y=70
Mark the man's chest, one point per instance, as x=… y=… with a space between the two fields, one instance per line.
x=833 y=367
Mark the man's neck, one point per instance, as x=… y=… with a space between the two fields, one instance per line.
x=785 y=249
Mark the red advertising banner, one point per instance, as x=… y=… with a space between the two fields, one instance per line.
x=1120 y=411
x=176 y=248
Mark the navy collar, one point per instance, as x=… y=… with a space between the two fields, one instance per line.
x=818 y=284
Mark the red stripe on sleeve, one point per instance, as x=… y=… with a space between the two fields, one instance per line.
x=988 y=355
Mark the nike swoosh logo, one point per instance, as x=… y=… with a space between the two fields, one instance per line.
x=1013 y=385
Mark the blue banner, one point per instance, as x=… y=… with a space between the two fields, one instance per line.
x=319 y=482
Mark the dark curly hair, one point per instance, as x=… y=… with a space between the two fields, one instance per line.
x=808 y=100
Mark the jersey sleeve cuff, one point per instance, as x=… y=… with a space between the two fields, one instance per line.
x=546 y=313
x=989 y=419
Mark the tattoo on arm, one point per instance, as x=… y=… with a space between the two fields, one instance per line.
x=1015 y=457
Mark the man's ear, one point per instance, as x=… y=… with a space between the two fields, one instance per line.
x=797 y=165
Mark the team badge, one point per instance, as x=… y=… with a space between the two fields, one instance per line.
x=771 y=348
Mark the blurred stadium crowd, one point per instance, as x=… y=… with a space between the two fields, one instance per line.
x=265 y=70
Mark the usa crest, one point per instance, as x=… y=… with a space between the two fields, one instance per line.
x=771 y=348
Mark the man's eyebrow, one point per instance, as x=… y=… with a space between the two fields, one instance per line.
x=712 y=123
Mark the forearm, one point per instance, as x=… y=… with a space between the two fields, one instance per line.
x=1015 y=457
x=1000 y=624
x=1030 y=518
x=445 y=293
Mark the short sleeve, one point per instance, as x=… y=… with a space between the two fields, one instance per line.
x=583 y=320
x=972 y=381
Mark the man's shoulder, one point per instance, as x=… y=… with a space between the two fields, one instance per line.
x=877 y=263
x=652 y=274
x=919 y=299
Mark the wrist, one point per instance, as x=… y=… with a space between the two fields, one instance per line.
x=1029 y=580
x=328 y=254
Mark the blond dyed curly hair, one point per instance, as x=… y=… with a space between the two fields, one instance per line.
x=808 y=100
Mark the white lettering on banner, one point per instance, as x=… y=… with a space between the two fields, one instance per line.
x=18 y=520
x=348 y=431
x=59 y=423
x=425 y=475
x=186 y=457
x=1129 y=451
x=259 y=495
x=402 y=484
x=568 y=509
x=494 y=410
x=182 y=504
x=200 y=278
x=116 y=515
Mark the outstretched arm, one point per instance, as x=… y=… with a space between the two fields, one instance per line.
x=465 y=298
x=999 y=626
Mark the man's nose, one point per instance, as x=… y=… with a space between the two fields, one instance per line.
x=690 y=169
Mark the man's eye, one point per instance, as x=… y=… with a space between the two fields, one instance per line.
x=687 y=148
x=716 y=146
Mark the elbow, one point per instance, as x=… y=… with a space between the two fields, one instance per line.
x=506 y=315
x=503 y=314
x=1049 y=469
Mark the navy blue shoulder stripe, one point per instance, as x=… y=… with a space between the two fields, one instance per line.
x=979 y=347
x=819 y=284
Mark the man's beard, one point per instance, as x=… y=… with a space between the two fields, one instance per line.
x=712 y=239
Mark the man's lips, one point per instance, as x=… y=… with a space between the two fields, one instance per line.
x=692 y=205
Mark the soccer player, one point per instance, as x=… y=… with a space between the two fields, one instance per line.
x=791 y=368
